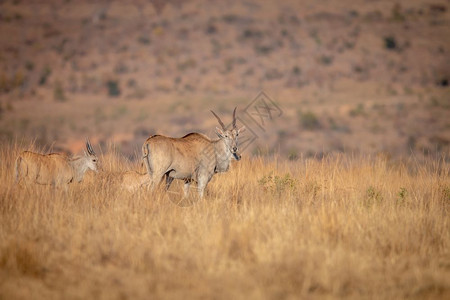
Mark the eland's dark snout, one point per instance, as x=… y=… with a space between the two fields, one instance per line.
x=237 y=156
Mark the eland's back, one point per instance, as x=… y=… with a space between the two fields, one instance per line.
x=43 y=169
x=54 y=168
x=181 y=155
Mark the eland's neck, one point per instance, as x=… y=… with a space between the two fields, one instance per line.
x=79 y=168
x=223 y=155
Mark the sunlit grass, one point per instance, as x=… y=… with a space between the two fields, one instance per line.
x=269 y=228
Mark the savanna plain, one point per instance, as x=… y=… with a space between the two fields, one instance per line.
x=344 y=226
x=345 y=194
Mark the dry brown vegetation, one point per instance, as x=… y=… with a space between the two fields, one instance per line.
x=346 y=195
x=344 y=226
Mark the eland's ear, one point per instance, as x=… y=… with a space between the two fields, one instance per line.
x=219 y=132
x=241 y=130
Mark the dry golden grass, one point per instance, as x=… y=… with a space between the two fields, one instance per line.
x=341 y=227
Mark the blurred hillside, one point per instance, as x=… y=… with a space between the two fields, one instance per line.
x=359 y=76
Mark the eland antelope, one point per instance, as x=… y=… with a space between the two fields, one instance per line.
x=133 y=181
x=55 y=169
x=193 y=157
x=130 y=181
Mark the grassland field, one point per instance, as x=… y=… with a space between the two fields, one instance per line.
x=340 y=227
x=345 y=196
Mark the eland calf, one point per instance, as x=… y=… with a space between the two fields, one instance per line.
x=193 y=157
x=133 y=181
x=130 y=181
x=54 y=169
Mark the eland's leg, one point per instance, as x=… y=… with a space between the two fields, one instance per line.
x=186 y=186
x=202 y=182
x=169 y=181
x=156 y=173
x=156 y=179
x=201 y=188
